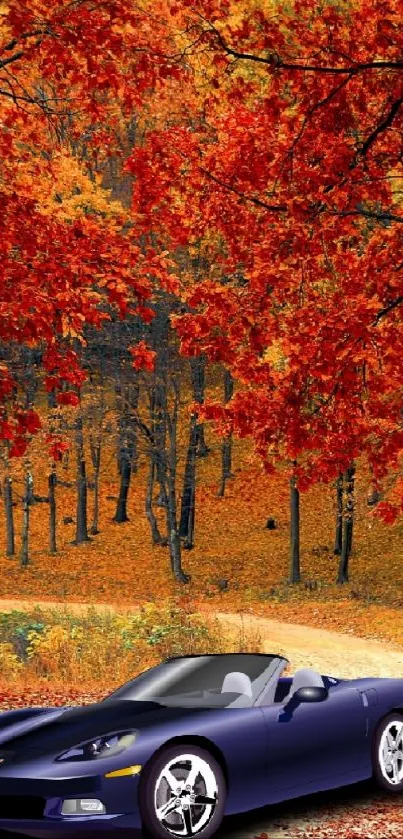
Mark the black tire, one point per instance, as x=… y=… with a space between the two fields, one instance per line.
x=378 y=762
x=152 y=787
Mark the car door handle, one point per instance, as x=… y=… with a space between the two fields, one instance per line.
x=369 y=697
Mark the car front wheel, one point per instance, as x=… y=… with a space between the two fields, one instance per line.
x=388 y=753
x=182 y=793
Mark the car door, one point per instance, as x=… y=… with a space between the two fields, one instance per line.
x=316 y=740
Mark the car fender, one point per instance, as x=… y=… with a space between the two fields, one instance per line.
x=236 y=737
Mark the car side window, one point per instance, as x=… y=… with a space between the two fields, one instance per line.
x=283 y=686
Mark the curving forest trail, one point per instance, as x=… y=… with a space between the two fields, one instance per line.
x=333 y=653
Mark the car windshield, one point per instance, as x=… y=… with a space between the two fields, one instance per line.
x=214 y=681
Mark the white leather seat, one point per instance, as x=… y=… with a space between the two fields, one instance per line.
x=237 y=683
x=305 y=678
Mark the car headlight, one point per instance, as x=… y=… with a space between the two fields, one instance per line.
x=101 y=747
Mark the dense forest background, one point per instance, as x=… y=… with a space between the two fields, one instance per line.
x=136 y=459
x=200 y=366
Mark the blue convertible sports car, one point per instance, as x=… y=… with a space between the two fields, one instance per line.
x=192 y=740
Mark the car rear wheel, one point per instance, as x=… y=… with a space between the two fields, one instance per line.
x=182 y=793
x=388 y=753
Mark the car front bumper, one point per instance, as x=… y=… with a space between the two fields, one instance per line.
x=32 y=806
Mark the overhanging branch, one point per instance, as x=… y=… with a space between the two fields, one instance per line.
x=276 y=208
x=389 y=308
x=382 y=126
x=274 y=60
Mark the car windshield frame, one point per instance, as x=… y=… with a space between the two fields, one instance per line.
x=197 y=680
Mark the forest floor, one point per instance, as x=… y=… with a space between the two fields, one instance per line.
x=236 y=561
x=351 y=813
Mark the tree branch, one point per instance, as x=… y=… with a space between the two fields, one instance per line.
x=276 y=208
x=24 y=37
x=389 y=308
x=382 y=126
x=382 y=216
x=282 y=208
x=275 y=61
x=15 y=57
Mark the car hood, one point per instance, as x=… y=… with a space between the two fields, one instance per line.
x=57 y=729
x=13 y=723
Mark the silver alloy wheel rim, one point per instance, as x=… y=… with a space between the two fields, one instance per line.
x=185 y=795
x=390 y=752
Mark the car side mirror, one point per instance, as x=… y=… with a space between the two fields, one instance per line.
x=311 y=693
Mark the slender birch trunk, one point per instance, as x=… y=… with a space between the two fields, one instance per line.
x=9 y=512
x=295 y=575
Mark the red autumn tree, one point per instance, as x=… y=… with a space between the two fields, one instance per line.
x=290 y=166
x=68 y=73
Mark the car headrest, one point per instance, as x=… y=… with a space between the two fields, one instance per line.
x=305 y=678
x=237 y=683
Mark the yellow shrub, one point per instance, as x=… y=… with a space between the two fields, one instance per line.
x=51 y=651
x=10 y=665
x=110 y=649
x=75 y=654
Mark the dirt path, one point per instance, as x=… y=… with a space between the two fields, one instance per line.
x=357 y=813
x=333 y=653
x=75 y=608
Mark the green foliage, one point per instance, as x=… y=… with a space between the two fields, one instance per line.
x=15 y=628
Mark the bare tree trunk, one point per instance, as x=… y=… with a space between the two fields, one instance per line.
x=160 y=333
x=165 y=431
x=187 y=518
x=81 y=519
x=9 y=511
x=30 y=379
x=27 y=501
x=226 y=466
x=339 y=516
x=156 y=537
x=226 y=448
x=52 y=401
x=125 y=475
x=342 y=576
x=169 y=481
x=154 y=455
x=160 y=435
x=174 y=542
x=350 y=507
x=348 y=523
x=95 y=448
x=127 y=401
x=134 y=397
x=295 y=533
x=52 y=481
x=124 y=465
x=198 y=371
